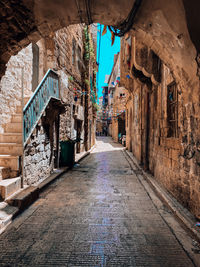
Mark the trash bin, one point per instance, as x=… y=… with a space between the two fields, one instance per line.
x=67 y=155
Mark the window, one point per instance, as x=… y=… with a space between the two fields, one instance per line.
x=79 y=58
x=73 y=51
x=35 y=66
x=172 y=110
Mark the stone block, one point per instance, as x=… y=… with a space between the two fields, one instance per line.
x=9 y=187
x=41 y=148
x=175 y=165
x=4 y=173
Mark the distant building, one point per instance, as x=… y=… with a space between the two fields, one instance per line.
x=115 y=110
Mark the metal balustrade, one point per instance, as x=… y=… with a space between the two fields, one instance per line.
x=32 y=112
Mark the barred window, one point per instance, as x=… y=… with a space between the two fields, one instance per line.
x=172 y=110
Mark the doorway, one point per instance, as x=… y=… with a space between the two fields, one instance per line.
x=78 y=135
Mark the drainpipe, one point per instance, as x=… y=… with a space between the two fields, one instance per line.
x=22 y=114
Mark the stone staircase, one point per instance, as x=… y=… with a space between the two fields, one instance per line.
x=11 y=149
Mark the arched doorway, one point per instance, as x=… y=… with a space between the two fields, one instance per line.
x=164 y=26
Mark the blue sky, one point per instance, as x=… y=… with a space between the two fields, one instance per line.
x=106 y=59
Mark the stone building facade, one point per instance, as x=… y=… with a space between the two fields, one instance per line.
x=11 y=84
x=162 y=120
x=72 y=118
x=69 y=51
x=116 y=102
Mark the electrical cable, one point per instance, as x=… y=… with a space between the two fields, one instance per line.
x=126 y=25
x=118 y=30
x=79 y=11
x=88 y=11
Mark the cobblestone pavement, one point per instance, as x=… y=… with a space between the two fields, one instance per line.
x=98 y=214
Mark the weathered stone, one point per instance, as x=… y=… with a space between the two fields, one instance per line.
x=173 y=159
x=11 y=84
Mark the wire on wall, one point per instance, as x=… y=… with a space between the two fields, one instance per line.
x=88 y=11
x=79 y=11
x=126 y=25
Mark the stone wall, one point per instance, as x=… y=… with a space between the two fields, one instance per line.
x=176 y=161
x=56 y=51
x=173 y=160
x=67 y=96
x=69 y=49
x=11 y=84
x=39 y=158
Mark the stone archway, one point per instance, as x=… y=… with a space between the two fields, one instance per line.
x=167 y=26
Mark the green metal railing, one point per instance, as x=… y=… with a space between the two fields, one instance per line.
x=32 y=112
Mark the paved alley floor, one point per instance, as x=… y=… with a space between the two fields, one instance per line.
x=97 y=214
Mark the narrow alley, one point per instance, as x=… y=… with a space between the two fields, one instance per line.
x=97 y=214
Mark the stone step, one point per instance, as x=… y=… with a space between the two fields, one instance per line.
x=11 y=138
x=4 y=173
x=7 y=213
x=9 y=161
x=16 y=118
x=9 y=187
x=19 y=108
x=13 y=149
x=13 y=127
x=14 y=174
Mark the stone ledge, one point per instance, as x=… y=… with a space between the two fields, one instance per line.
x=24 y=198
x=181 y=213
x=7 y=213
x=52 y=177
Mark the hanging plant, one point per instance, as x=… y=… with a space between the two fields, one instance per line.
x=87 y=82
x=104 y=30
x=71 y=78
x=112 y=34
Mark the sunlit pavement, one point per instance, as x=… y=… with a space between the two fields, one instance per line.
x=98 y=214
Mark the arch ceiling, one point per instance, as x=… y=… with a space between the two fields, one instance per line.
x=170 y=27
